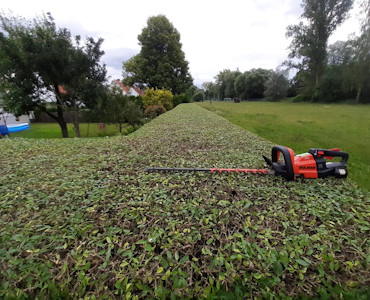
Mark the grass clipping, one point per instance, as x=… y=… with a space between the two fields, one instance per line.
x=79 y=217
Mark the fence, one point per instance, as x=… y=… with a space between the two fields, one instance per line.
x=68 y=117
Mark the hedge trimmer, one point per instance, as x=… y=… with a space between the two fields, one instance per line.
x=307 y=165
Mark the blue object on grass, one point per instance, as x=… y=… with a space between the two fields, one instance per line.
x=13 y=128
x=18 y=127
x=4 y=130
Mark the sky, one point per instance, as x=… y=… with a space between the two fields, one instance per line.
x=215 y=35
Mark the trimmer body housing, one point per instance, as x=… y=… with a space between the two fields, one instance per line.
x=308 y=165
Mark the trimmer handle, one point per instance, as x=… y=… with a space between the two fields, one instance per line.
x=317 y=152
x=286 y=168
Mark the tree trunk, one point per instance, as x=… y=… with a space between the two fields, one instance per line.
x=76 y=124
x=60 y=119
x=317 y=79
x=63 y=126
x=358 y=95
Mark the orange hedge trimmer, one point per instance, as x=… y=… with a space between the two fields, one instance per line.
x=306 y=165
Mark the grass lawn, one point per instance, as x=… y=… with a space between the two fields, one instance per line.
x=80 y=219
x=52 y=130
x=301 y=126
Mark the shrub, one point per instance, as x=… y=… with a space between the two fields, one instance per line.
x=120 y=109
x=129 y=129
x=153 y=111
x=198 y=96
x=138 y=100
x=158 y=97
x=133 y=113
x=299 y=98
x=178 y=99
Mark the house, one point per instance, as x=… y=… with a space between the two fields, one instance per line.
x=9 y=119
x=129 y=90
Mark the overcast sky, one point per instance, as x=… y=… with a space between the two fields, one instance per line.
x=215 y=35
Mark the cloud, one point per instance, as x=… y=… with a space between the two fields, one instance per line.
x=294 y=8
x=113 y=58
x=215 y=34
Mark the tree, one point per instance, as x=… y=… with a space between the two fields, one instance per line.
x=121 y=109
x=41 y=63
x=240 y=85
x=210 y=90
x=88 y=81
x=255 y=82
x=161 y=62
x=309 y=38
x=198 y=96
x=191 y=91
x=362 y=53
x=226 y=81
x=277 y=85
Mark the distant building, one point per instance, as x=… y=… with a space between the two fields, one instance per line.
x=8 y=119
x=129 y=90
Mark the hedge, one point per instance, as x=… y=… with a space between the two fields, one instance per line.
x=80 y=218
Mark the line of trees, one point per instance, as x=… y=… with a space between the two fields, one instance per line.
x=41 y=65
x=335 y=72
x=324 y=72
x=252 y=84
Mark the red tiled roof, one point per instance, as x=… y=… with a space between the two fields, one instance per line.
x=125 y=88
x=140 y=92
x=62 y=90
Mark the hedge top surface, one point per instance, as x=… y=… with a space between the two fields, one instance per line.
x=79 y=217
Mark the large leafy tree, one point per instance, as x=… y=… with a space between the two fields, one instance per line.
x=247 y=85
x=161 y=62
x=41 y=63
x=277 y=85
x=225 y=79
x=361 y=59
x=308 y=49
x=349 y=64
x=255 y=82
x=210 y=90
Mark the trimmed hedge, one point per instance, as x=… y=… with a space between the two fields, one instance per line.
x=80 y=217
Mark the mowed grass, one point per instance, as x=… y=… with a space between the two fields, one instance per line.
x=52 y=131
x=301 y=126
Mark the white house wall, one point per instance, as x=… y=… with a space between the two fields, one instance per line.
x=11 y=119
x=133 y=92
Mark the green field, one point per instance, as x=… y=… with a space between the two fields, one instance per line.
x=301 y=126
x=80 y=218
x=52 y=130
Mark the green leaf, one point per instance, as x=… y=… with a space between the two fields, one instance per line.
x=209 y=241
x=184 y=259
x=302 y=262
x=164 y=262
x=278 y=268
